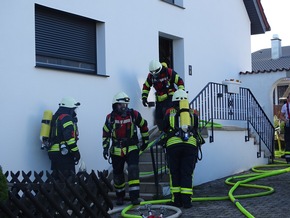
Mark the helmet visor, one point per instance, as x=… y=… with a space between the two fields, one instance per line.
x=153 y=72
x=124 y=100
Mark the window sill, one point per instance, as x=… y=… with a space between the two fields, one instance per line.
x=67 y=69
x=179 y=6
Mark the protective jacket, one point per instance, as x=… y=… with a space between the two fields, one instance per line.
x=122 y=130
x=163 y=84
x=64 y=131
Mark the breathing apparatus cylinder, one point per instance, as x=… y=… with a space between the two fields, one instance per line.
x=185 y=121
x=45 y=126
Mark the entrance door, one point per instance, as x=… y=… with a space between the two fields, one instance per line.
x=166 y=51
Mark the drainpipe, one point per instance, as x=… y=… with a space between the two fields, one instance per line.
x=276 y=50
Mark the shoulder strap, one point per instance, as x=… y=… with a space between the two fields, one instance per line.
x=52 y=134
x=132 y=114
x=111 y=120
x=54 y=127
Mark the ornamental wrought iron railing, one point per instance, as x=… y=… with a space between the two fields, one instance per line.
x=216 y=102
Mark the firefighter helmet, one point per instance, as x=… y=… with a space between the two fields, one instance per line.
x=155 y=67
x=179 y=95
x=69 y=102
x=121 y=97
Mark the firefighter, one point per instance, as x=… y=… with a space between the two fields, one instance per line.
x=63 y=152
x=120 y=128
x=164 y=80
x=181 y=126
x=285 y=116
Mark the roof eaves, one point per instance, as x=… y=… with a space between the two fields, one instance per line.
x=265 y=71
x=258 y=19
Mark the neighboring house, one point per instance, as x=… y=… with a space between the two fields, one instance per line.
x=92 y=49
x=269 y=79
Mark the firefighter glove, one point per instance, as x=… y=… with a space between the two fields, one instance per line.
x=77 y=156
x=106 y=153
x=145 y=102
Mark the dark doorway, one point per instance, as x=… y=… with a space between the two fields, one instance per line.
x=165 y=51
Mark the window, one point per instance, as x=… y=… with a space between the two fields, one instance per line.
x=282 y=93
x=65 y=41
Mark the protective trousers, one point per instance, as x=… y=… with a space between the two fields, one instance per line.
x=160 y=110
x=181 y=160
x=287 y=143
x=118 y=162
x=64 y=164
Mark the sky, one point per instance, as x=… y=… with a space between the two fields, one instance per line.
x=278 y=16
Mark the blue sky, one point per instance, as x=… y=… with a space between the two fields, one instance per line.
x=278 y=16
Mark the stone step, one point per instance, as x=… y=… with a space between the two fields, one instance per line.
x=148 y=166
x=146 y=156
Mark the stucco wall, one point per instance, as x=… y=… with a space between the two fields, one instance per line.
x=229 y=154
x=262 y=86
x=214 y=39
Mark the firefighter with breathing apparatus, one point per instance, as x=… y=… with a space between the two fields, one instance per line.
x=120 y=128
x=181 y=126
x=59 y=135
x=165 y=82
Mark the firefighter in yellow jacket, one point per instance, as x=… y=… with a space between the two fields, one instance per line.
x=181 y=126
x=64 y=152
x=121 y=128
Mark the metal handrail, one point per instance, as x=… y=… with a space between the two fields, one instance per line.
x=159 y=167
x=214 y=102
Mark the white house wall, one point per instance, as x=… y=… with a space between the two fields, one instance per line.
x=216 y=39
x=262 y=86
x=240 y=156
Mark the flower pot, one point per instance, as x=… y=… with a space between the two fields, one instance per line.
x=232 y=86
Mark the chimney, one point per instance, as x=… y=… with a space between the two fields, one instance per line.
x=276 y=47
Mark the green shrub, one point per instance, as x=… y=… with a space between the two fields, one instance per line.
x=3 y=187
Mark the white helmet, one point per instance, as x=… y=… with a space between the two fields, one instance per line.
x=121 y=97
x=69 y=102
x=155 y=67
x=179 y=95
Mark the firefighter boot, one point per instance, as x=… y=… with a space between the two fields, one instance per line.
x=176 y=201
x=135 y=201
x=120 y=201
x=186 y=201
